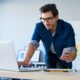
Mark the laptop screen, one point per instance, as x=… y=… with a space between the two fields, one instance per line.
x=8 y=59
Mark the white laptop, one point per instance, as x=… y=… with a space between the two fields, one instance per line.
x=8 y=59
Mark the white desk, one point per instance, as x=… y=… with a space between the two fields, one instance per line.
x=41 y=75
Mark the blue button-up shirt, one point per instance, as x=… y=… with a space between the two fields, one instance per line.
x=64 y=37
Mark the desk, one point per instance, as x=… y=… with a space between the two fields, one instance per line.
x=41 y=75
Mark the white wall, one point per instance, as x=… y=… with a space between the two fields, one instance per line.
x=18 y=18
x=76 y=26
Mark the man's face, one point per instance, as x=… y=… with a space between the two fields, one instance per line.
x=49 y=20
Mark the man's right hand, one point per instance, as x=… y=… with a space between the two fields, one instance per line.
x=24 y=63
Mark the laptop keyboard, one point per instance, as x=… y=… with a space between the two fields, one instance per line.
x=33 y=67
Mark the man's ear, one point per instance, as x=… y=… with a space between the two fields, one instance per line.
x=57 y=17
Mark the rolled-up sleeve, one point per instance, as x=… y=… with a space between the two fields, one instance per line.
x=34 y=42
x=35 y=37
x=73 y=49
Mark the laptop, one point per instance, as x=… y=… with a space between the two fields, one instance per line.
x=8 y=59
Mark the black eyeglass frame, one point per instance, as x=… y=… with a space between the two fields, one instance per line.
x=46 y=19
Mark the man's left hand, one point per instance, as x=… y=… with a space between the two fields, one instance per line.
x=68 y=57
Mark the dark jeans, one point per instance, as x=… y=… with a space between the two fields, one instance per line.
x=54 y=62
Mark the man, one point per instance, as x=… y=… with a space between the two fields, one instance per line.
x=56 y=35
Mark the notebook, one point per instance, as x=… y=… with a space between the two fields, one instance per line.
x=8 y=59
x=58 y=70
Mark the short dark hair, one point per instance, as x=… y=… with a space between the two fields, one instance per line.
x=49 y=7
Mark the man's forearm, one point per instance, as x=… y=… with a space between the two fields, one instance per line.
x=29 y=53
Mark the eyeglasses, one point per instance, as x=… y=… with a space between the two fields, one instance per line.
x=46 y=19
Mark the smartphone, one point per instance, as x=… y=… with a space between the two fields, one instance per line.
x=66 y=50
